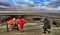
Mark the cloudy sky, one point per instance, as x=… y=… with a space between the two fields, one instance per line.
x=49 y=6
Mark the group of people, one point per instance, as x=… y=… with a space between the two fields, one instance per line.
x=16 y=23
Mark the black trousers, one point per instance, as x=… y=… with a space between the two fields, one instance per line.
x=15 y=27
x=46 y=30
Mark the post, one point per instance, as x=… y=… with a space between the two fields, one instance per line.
x=7 y=27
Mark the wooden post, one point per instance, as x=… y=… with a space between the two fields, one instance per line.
x=7 y=28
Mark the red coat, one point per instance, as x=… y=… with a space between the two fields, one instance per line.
x=22 y=22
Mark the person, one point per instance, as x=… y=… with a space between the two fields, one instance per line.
x=16 y=21
x=21 y=23
x=46 y=26
x=10 y=22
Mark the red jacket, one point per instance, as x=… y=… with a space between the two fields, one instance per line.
x=22 y=21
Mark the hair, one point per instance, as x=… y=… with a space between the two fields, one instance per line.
x=11 y=18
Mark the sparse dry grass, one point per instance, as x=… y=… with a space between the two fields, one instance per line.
x=30 y=30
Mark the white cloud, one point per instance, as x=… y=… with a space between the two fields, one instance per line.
x=3 y=0
x=22 y=7
x=3 y=6
x=58 y=8
x=37 y=7
x=55 y=0
x=26 y=7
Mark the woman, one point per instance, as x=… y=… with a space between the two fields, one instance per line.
x=10 y=22
x=21 y=23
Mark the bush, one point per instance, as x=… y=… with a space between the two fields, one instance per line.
x=56 y=23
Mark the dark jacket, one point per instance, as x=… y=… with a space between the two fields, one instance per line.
x=47 y=24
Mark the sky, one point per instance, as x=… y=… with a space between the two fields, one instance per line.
x=31 y=5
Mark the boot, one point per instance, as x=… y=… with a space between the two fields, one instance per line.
x=49 y=32
x=44 y=32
